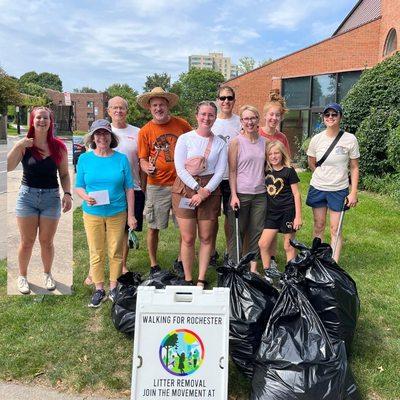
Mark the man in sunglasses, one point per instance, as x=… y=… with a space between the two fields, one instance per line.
x=226 y=126
x=330 y=154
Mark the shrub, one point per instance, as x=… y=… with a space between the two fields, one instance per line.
x=377 y=89
x=393 y=148
x=301 y=155
x=373 y=135
x=387 y=184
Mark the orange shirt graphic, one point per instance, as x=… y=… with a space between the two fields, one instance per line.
x=157 y=142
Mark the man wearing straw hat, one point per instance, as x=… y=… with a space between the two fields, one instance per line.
x=156 y=148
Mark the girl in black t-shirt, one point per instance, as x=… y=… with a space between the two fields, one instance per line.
x=284 y=205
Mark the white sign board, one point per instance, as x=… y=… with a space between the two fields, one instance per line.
x=181 y=344
x=67 y=98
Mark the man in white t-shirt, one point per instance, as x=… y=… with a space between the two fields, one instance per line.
x=226 y=126
x=128 y=145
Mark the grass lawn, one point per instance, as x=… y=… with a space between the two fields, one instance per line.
x=59 y=341
x=12 y=131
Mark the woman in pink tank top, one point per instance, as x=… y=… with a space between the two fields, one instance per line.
x=246 y=179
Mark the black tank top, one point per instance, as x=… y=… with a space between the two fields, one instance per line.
x=41 y=174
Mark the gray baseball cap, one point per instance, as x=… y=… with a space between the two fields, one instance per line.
x=100 y=124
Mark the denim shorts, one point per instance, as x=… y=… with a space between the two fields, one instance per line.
x=333 y=200
x=41 y=202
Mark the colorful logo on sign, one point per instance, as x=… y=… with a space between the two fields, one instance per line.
x=181 y=352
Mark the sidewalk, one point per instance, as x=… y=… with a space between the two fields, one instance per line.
x=14 y=391
x=62 y=266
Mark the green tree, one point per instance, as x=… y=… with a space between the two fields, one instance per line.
x=170 y=342
x=265 y=62
x=45 y=80
x=9 y=94
x=195 y=86
x=85 y=89
x=157 y=80
x=246 y=64
x=130 y=95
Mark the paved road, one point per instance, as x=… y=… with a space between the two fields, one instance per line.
x=14 y=391
x=62 y=266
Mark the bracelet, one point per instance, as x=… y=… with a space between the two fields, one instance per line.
x=69 y=194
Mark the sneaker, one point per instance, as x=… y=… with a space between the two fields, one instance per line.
x=178 y=268
x=23 y=285
x=214 y=259
x=49 y=282
x=112 y=294
x=98 y=297
x=271 y=274
x=273 y=264
x=154 y=270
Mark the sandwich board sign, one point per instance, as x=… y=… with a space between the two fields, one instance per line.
x=181 y=344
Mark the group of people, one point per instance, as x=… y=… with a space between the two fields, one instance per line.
x=243 y=160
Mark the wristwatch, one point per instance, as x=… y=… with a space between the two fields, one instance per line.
x=197 y=188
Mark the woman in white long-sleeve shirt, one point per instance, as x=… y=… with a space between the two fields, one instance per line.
x=200 y=191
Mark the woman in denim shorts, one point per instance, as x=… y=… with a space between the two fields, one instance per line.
x=329 y=186
x=38 y=207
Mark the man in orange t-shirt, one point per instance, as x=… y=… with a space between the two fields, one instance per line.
x=156 y=147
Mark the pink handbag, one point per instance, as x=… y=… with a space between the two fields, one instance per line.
x=198 y=164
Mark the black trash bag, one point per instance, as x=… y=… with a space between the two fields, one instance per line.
x=297 y=360
x=252 y=299
x=161 y=279
x=123 y=310
x=331 y=290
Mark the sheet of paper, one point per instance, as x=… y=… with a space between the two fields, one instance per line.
x=185 y=203
x=101 y=196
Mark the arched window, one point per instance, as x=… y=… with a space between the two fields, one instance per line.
x=390 y=43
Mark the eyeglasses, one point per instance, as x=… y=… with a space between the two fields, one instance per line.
x=229 y=98
x=117 y=108
x=252 y=119
x=333 y=115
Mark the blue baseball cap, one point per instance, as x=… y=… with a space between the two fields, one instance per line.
x=334 y=106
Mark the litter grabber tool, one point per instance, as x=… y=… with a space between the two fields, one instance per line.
x=340 y=226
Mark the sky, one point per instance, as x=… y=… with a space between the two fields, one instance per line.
x=97 y=43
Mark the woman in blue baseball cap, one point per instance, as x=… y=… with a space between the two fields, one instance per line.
x=331 y=154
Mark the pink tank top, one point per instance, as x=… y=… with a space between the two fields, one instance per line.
x=250 y=166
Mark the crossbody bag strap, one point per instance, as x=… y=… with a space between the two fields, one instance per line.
x=330 y=148
x=208 y=148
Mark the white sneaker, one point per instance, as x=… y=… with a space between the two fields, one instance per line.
x=49 y=281
x=23 y=285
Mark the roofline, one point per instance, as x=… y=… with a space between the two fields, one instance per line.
x=304 y=48
x=347 y=17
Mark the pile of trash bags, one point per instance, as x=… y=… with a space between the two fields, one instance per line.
x=303 y=350
x=252 y=299
x=123 y=310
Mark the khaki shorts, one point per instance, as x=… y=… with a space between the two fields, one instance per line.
x=158 y=206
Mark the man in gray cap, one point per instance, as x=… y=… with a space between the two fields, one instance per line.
x=157 y=141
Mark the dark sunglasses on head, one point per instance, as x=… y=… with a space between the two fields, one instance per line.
x=223 y=98
x=328 y=114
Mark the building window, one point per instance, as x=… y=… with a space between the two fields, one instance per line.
x=390 y=43
x=323 y=90
x=297 y=92
x=346 y=80
x=90 y=104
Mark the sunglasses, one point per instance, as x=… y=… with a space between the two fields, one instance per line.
x=333 y=115
x=229 y=98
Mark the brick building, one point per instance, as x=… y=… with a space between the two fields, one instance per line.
x=325 y=71
x=86 y=107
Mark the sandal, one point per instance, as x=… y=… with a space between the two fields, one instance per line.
x=203 y=283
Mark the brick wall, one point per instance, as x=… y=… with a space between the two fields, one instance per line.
x=353 y=50
x=81 y=109
x=390 y=19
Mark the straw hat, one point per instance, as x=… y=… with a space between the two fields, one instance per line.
x=144 y=99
